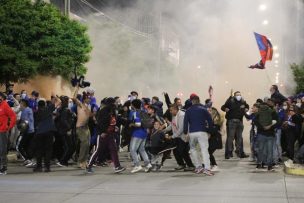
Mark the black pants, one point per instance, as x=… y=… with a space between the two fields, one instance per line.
x=25 y=145
x=212 y=159
x=44 y=149
x=291 y=140
x=68 y=149
x=58 y=146
x=181 y=153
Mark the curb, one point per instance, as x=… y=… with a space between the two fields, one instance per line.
x=294 y=169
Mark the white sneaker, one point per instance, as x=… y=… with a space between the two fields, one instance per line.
x=136 y=169
x=148 y=168
x=215 y=168
x=30 y=165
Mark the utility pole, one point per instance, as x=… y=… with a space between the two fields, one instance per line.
x=67 y=7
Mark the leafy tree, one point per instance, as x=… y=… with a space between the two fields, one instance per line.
x=298 y=74
x=35 y=38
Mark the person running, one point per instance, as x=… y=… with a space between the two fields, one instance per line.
x=138 y=139
x=197 y=122
x=106 y=130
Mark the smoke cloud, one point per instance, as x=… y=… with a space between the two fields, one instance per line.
x=215 y=43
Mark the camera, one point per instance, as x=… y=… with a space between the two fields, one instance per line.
x=80 y=81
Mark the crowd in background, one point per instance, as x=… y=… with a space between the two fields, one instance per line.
x=78 y=129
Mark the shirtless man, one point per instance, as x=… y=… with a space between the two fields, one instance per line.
x=82 y=129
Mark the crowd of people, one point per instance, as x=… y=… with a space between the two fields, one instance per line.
x=91 y=134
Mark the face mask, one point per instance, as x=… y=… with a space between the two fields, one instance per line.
x=70 y=106
x=132 y=98
x=23 y=96
x=238 y=98
x=299 y=105
x=285 y=107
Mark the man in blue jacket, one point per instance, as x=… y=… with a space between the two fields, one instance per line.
x=197 y=122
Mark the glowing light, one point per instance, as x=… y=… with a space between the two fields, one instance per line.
x=275 y=47
x=265 y=22
x=281 y=85
x=199 y=67
x=262 y=7
x=226 y=82
x=277 y=73
x=276 y=61
x=277 y=55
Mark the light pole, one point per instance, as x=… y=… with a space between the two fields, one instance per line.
x=67 y=7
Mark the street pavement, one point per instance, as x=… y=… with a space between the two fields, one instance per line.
x=237 y=181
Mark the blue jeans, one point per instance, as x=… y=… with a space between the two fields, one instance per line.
x=265 y=153
x=138 y=145
x=277 y=149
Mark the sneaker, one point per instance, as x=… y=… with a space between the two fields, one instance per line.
x=189 y=169
x=208 y=173
x=61 y=165
x=37 y=170
x=3 y=171
x=136 y=169
x=270 y=168
x=214 y=168
x=31 y=165
x=148 y=168
x=243 y=155
x=199 y=170
x=179 y=168
x=26 y=162
x=119 y=169
x=89 y=170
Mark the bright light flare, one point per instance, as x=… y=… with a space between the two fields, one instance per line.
x=265 y=22
x=262 y=7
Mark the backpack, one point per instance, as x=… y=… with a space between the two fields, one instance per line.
x=265 y=115
x=146 y=120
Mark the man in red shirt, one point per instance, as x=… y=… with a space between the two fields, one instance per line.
x=7 y=122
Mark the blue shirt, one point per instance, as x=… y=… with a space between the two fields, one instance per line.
x=27 y=115
x=138 y=132
x=197 y=119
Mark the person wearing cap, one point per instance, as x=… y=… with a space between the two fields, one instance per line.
x=197 y=122
x=64 y=122
x=235 y=108
x=7 y=122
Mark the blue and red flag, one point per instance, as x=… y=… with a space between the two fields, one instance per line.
x=266 y=50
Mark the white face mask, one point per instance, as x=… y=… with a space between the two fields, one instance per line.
x=23 y=96
x=299 y=105
x=132 y=98
x=71 y=104
x=238 y=98
x=285 y=107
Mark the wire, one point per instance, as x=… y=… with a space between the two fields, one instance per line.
x=115 y=21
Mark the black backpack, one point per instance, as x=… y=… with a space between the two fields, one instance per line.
x=146 y=120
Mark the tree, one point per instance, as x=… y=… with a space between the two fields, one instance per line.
x=35 y=38
x=298 y=74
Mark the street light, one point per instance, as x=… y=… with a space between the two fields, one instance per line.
x=262 y=7
x=265 y=22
